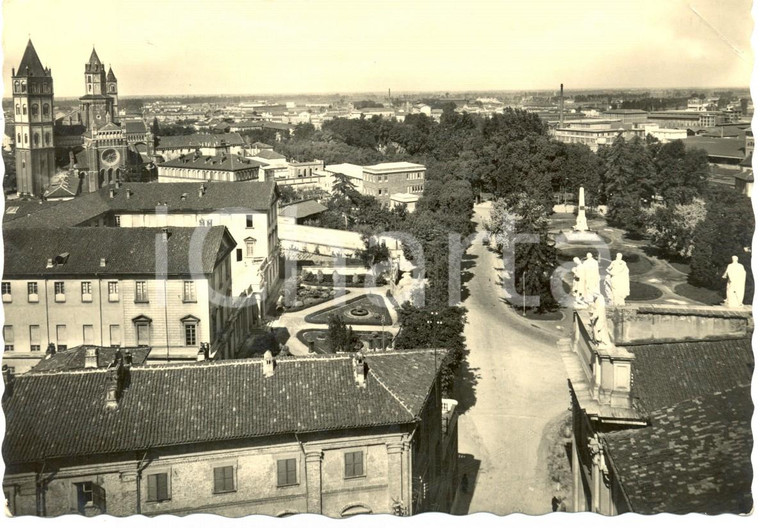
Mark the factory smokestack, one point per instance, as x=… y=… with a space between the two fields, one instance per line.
x=561 y=105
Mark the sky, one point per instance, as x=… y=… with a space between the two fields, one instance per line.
x=165 y=47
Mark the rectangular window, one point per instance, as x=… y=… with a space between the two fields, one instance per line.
x=188 y=291
x=250 y=247
x=143 y=334
x=60 y=291
x=115 y=331
x=7 y=297
x=248 y=220
x=117 y=220
x=34 y=338
x=239 y=254
x=88 y=335
x=113 y=291
x=32 y=293
x=286 y=472
x=190 y=334
x=141 y=291
x=354 y=464
x=8 y=338
x=86 y=291
x=60 y=336
x=224 y=479
x=158 y=487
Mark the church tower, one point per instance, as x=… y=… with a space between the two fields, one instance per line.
x=95 y=106
x=112 y=89
x=33 y=124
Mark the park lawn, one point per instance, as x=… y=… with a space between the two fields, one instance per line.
x=698 y=294
x=643 y=292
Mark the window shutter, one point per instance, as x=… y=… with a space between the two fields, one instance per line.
x=99 y=497
x=218 y=479
x=152 y=487
x=162 y=486
x=282 y=473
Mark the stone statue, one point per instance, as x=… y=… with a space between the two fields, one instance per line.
x=591 y=278
x=617 y=282
x=599 y=330
x=736 y=275
x=579 y=281
x=580 y=220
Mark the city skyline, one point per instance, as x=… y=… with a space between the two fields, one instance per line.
x=291 y=47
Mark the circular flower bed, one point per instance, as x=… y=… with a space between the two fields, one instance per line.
x=359 y=312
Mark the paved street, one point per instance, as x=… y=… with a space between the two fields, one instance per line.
x=521 y=387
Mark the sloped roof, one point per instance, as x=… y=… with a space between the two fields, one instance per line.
x=269 y=155
x=694 y=457
x=200 y=140
x=717 y=147
x=110 y=77
x=303 y=209
x=135 y=127
x=127 y=251
x=31 y=61
x=666 y=373
x=51 y=415
x=224 y=162
x=251 y=195
x=94 y=59
x=73 y=358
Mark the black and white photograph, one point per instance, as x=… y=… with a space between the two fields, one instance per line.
x=377 y=259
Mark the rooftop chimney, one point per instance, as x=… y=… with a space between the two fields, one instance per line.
x=268 y=364
x=50 y=352
x=7 y=380
x=49 y=263
x=203 y=352
x=561 y=105
x=129 y=193
x=102 y=262
x=118 y=184
x=91 y=358
x=111 y=193
x=127 y=358
x=112 y=385
x=201 y=191
x=360 y=370
x=166 y=232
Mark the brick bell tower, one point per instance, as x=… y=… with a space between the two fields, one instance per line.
x=33 y=124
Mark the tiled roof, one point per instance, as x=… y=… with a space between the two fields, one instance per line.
x=261 y=145
x=303 y=209
x=145 y=196
x=694 y=457
x=200 y=140
x=63 y=414
x=127 y=251
x=73 y=358
x=110 y=77
x=135 y=127
x=223 y=162
x=269 y=154
x=31 y=61
x=22 y=207
x=667 y=373
x=94 y=59
x=717 y=147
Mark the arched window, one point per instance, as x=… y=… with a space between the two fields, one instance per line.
x=19 y=137
x=35 y=109
x=23 y=86
x=47 y=138
x=26 y=138
x=24 y=109
x=45 y=87
x=18 y=109
x=36 y=138
x=46 y=109
x=18 y=86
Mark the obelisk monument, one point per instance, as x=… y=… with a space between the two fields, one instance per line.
x=580 y=221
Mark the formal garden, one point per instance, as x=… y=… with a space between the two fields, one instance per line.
x=318 y=340
x=364 y=310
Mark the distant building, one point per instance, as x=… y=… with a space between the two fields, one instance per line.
x=300 y=212
x=206 y=168
x=376 y=438
x=171 y=147
x=274 y=166
x=724 y=152
x=381 y=180
x=590 y=132
x=661 y=419
x=626 y=116
x=106 y=287
x=407 y=200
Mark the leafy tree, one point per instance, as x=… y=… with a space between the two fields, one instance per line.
x=628 y=176
x=304 y=132
x=340 y=337
x=672 y=229
x=682 y=174
x=420 y=328
x=373 y=253
x=726 y=231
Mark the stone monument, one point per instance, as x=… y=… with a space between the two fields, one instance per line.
x=599 y=329
x=580 y=220
x=579 y=282
x=617 y=282
x=736 y=275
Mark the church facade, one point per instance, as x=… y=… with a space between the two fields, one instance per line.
x=93 y=143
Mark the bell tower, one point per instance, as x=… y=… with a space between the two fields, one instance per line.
x=33 y=123
x=112 y=90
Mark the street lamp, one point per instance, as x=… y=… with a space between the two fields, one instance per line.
x=435 y=321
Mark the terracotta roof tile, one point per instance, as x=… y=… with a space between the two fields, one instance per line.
x=63 y=414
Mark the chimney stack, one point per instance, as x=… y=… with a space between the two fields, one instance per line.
x=50 y=352
x=268 y=364
x=203 y=352
x=129 y=193
x=7 y=376
x=201 y=191
x=360 y=370
x=49 y=263
x=561 y=105
x=111 y=193
x=102 y=262
x=112 y=385
x=91 y=358
x=127 y=358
